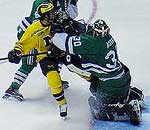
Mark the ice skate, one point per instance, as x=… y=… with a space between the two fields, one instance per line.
x=12 y=94
x=63 y=111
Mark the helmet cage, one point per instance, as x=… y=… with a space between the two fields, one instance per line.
x=98 y=28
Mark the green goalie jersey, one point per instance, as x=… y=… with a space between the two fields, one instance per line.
x=98 y=55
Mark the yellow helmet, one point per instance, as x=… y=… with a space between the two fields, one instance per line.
x=47 y=11
x=45 y=7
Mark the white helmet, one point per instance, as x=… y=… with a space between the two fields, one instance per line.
x=98 y=28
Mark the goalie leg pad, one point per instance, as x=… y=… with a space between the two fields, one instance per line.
x=100 y=112
x=136 y=94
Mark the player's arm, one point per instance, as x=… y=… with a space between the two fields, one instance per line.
x=73 y=62
x=25 y=44
x=66 y=42
x=22 y=47
x=22 y=27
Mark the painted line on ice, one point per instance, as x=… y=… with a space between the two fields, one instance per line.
x=94 y=10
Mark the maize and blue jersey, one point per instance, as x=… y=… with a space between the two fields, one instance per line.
x=36 y=36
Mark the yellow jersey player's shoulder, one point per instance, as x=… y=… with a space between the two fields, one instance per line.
x=36 y=29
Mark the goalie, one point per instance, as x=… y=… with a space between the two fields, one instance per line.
x=93 y=55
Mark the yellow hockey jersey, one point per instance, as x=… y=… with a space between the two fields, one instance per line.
x=36 y=36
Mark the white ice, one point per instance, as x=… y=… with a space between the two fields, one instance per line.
x=129 y=22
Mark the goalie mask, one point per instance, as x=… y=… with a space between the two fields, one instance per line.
x=47 y=12
x=98 y=28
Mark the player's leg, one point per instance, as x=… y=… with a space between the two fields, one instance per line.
x=99 y=111
x=116 y=111
x=111 y=93
x=50 y=70
x=64 y=82
x=93 y=86
x=133 y=111
x=19 y=78
x=28 y=63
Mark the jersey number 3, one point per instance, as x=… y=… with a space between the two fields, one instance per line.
x=111 y=55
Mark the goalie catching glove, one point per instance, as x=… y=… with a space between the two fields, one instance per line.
x=14 y=56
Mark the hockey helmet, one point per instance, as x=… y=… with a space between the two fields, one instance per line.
x=98 y=28
x=47 y=11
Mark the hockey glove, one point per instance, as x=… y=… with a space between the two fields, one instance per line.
x=55 y=52
x=56 y=28
x=72 y=59
x=70 y=26
x=14 y=56
x=63 y=26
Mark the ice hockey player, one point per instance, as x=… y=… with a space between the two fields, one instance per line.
x=93 y=55
x=38 y=33
x=28 y=63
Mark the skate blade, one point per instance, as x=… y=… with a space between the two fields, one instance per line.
x=12 y=98
x=64 y=118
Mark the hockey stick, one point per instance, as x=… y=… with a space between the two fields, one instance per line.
x=6 y=58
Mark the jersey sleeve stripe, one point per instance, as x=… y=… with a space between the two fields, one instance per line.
x=70 y=45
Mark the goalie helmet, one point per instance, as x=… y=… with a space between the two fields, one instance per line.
x=47 y=12
x=98 y=28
